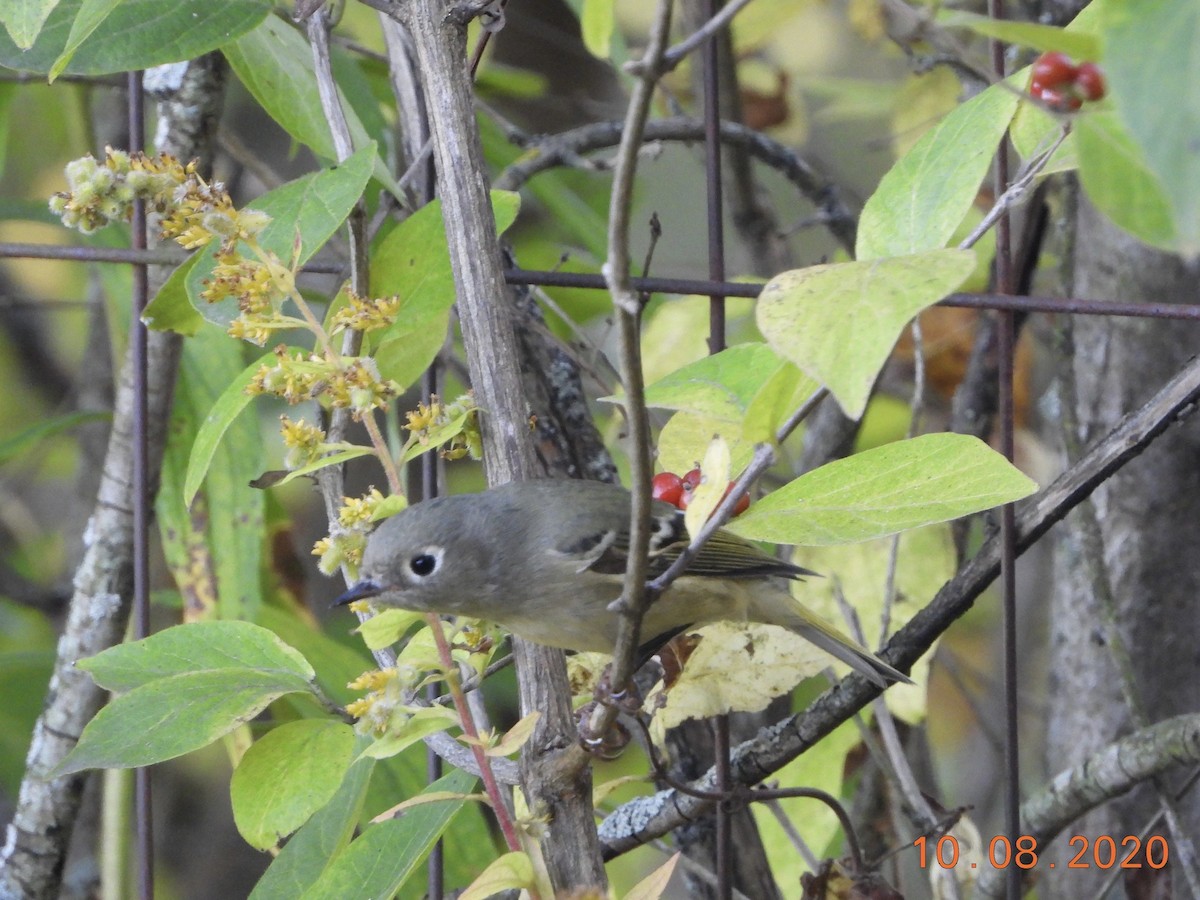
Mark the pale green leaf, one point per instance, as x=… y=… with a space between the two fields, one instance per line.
x=385 y=628
x=822 y=766
x=1034 y=132
x=925 y=196
x=194 y=648
x=719 y=386
x=779 y=397
x=839 y=322
x=286 y=776
x=683 y=440
x=907 y=484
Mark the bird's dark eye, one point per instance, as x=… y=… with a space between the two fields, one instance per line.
x=423 y=565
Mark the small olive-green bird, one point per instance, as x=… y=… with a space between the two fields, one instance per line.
x=545 y=559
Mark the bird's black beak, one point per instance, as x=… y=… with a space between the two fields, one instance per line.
x=360 y=591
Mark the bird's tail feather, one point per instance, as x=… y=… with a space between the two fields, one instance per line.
x=787 y=613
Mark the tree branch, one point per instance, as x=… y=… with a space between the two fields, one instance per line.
x=649 y=817
x=555 y=785
x=1106 y=774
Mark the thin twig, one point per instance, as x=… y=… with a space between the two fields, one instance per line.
x=634 y=596
x=674 y=56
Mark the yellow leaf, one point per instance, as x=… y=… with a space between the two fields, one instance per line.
x=510 y=871
x=516 y=736
x=714 y=479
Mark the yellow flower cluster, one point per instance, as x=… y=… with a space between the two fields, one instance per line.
x=366 y=314
x=456 y=424
x=341 y=549
x=304 y=442
x=359 y=512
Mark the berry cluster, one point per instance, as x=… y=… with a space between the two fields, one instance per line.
x=1062 y=85
x=676 y=490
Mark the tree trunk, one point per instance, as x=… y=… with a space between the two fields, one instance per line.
x=1127 y=589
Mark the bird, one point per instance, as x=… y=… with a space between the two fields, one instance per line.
x=546 y=558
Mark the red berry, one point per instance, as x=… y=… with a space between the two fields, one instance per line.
x=1060 y=100
x=691 y=480
x=1089 y=80
x=668 y=487
x=1053 y=69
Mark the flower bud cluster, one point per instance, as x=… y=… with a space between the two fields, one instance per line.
x=350 y=383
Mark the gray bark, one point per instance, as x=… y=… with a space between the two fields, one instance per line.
x=1118 y=665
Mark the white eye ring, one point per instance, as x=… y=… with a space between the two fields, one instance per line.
x=424 y=563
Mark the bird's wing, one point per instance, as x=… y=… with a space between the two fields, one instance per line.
x=606 y=552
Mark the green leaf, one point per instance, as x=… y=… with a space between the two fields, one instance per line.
x=928 y=479
x=382 y=859
x=925 y=196
x=413 y=262
x=719 y=386
x=173 y=716
x=1034 y=131
x=91 y=15
x=171 y=310
x=138 y=34
x=216 y=567
x=596 y=25
x=683 y=441
x=774 y=402
x=1152 y=66
x=333 y=459
x=838 y=322
x=388 y=626
x=421 y=723
x=311 y=207
x=286 y=776
x=34 y=434
x=24 y=19
x=1076 y=44
x=275 y=63
x=197 y=647
x=315 y=846
x=1118 y=180
x=227 y=407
